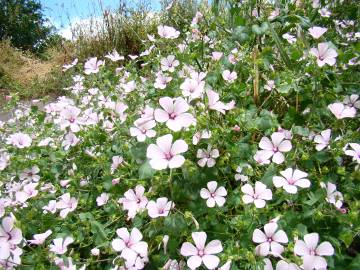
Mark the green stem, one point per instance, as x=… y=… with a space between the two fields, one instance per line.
x=170 y=186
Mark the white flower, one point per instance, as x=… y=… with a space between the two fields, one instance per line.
x=291 y=180
x=258 y=196
x=290 y=38
x=130 y=244
x=274 y=148
x=324 y=54
x=30 y=174
x=169 y=63
x=200 y=253
x=160 y=208
x=40 y=238
x=316 y=31
x=59 y=245
x=4 y=160
x=19 y=140
x=67 y=204
x=312 y=253
x=322 y=140
x=354 y=152
x=143 y=129
x=332 y=195
x=270 y=241
x=102 y=199
x=166 y=154
x=207 y=157
x=213 y=194
x=229 y=76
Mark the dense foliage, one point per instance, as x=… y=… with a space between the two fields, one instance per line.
x=23 y=23
x=230 y=143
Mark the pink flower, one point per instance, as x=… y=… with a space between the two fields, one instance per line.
x=161 y=81
x=30 y=174
x=291 y=180
x=332 y=195
x=114 y=56
x=324 y=54
x=281 y=265
x=213 y=195
x=169 y=63
x=93 y=65
x=160 y=208
x=70 y=139
x=9 y=233
x=207 y=157
x=28 y=191
x=355 y=152
x=40 y=238
x=143 y=129
x=59 y=245
x=120 y=109
x=19 y=140
x=165 y=154
x=192 y=88
x=316 y=31
x=270 y=240
x=229 y=76
x=200 y=253
x=270 y=85
x=134 y=201
x=275 y=148
x=174 y=113
x=69 y=117
x=324 y=12
x=102 y=199
x=214 y=102
x=116 y=162
x=167 y=32
x=130 y=244
x=4 y=160
x=352 y=101
x=239 y=175
x=342 y=111
x=312 y=253
x=216 y=56
x=205 y=134
x=323 y=139
x=51 y=207
x=289 y=38
x=68 y=66
x=67 y=204
x=257 y=196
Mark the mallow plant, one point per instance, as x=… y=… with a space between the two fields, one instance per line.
x=223 y=145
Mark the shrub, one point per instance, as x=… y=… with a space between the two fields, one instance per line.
x=23 y=23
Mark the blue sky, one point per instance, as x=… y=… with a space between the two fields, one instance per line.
x=62 y=12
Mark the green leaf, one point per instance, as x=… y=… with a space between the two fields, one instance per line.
x=277 y=41
x=302 y=131
x=145 y=171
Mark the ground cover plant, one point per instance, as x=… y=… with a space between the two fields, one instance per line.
x=229 y=143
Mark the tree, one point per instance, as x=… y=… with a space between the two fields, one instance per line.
x=24 y=24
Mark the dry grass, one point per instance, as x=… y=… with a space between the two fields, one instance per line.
x=27 y=76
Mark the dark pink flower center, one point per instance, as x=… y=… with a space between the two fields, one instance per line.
x=172 y=115
x=168 y=156
x=212 y=195
x=269 y=240
x=275 y=149
x=291 y=181
x=201 y=252
x=313 y=252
